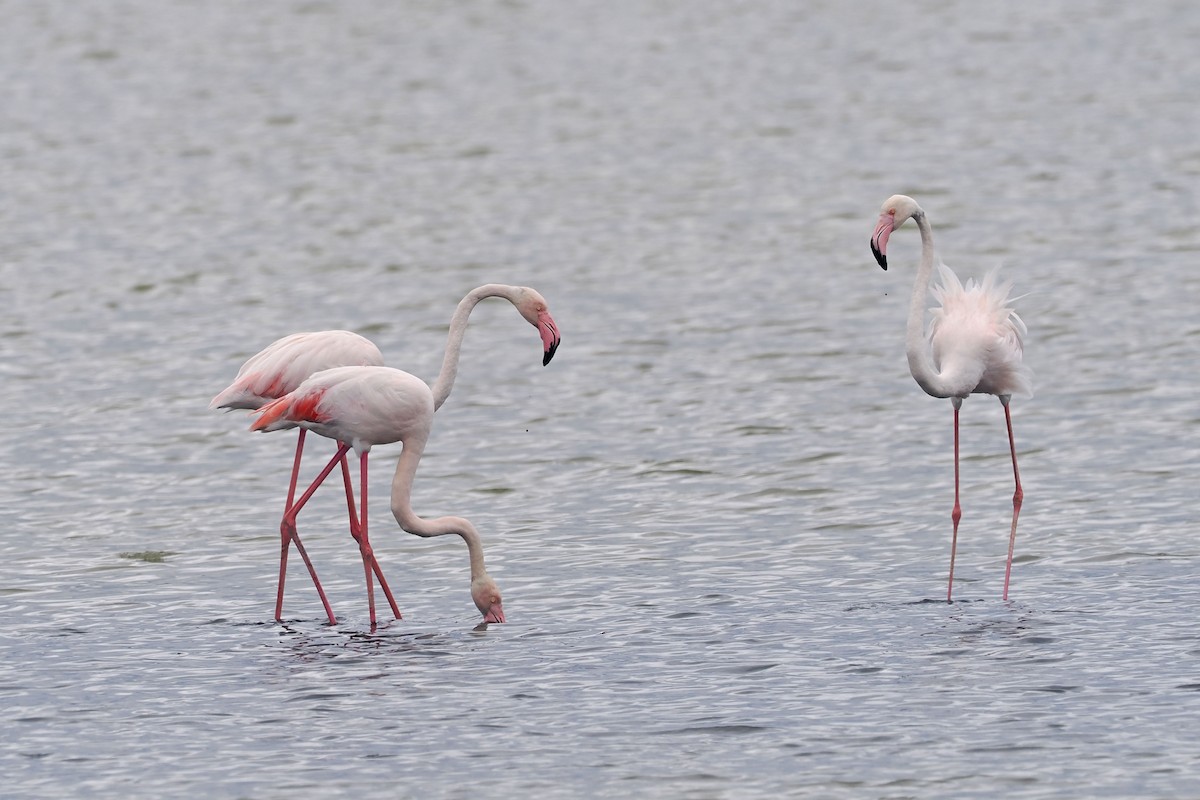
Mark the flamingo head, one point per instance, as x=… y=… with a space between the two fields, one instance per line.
x=535 y=311
x=896 y=211
x=486 y=595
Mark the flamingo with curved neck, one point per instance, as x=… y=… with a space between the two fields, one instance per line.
x=975 y=344
x=365 y=406
x=484 y=591
x=530 y=304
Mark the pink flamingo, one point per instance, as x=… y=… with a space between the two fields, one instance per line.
x=279 y=370
x=977 y=344
x=270 y=374
x=366 y=406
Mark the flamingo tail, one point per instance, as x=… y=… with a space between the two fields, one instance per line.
x=273 y=416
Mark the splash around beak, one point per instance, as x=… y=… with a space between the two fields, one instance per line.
x=550 y=339
x=879 y=238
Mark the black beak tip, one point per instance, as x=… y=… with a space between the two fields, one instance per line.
x=550 y=353
x=879 y=257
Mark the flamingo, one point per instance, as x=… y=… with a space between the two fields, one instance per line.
x=976 y=341
x=364 y=406
x=279 y=370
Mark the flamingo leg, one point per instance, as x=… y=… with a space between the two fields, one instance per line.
x=364 y=543
x=956 y=512
x=289 y=535
x=311 y=571
x=355 y=533
x=287 y=530
x=285 y=539
x=351 y=510
x=1018 y=495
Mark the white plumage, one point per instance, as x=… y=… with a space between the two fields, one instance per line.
x=977 y=337
x=974 y=344
x=285 y=363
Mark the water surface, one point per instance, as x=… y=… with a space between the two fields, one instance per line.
x=720 y=515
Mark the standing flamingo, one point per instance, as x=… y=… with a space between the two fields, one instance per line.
x=976 y=340
x=366 y=406
x=270 y=374
x=279 y=370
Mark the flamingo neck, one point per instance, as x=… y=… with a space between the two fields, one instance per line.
x=458 y=329
x=406 y=469
x=920 y=362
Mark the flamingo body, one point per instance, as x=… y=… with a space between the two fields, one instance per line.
x=285 y=363
x=976 y=338
x=974 y=344
x=364 y=406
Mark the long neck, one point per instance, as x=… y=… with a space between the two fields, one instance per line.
x=458 y=329
x=406 y=469
x=920 y=363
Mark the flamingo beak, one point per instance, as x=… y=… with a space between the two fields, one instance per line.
x=879 y=238
x=494 y=614
x=550 y=339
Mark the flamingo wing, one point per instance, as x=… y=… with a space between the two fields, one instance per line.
x=364 y=406
x=975 y=334
x=285 y=363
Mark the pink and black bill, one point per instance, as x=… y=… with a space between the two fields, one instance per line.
x=550 y=336
x=879 y=238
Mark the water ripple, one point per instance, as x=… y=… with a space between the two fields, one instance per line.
x=721 y=514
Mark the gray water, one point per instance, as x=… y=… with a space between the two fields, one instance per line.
x=720 y=516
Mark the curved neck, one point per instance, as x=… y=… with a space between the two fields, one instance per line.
x=920 y=362
x=458 y=329
x=406 y=469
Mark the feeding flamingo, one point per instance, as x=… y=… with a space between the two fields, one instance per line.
x=976 y=341
x=250 y=390
x=366 y=406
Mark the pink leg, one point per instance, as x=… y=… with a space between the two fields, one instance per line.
x=285 y=539
x=364 y=543
x=1018 y=495
x=351 y=510
x=313 y=572
x=956 y=513
x=354 y=532
x=287 y=536
x=287 y=530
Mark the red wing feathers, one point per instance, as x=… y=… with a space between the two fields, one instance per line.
x=291 y=409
